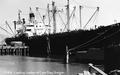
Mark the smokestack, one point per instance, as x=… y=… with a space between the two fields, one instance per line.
x=31 y=15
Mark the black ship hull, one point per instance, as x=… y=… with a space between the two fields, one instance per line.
x=98 y=40
x=39 y=44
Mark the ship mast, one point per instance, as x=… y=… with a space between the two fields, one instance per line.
x=48 y=9
x=48 y=39
x=54 y=16
x=80 y=7
x=19 y=17
x=68 y=16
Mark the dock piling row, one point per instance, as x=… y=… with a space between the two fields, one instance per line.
x=14 y=50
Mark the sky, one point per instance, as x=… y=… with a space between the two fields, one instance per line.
x=109 y=12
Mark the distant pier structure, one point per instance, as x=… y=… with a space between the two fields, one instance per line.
x=17 y=49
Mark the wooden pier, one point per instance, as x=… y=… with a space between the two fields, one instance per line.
x=14 y=50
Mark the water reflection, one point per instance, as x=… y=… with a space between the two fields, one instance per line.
x=14 y=65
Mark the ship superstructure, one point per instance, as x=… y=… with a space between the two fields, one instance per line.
x=34 y=27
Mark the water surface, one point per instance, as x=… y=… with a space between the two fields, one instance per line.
x=17 y=65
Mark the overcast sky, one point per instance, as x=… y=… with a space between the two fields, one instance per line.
x=109 y=9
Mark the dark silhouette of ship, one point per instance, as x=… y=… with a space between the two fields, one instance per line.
x=102 y=43
x=43 y=39
x=99 y=44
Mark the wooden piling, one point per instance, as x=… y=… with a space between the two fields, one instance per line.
x=14 y=50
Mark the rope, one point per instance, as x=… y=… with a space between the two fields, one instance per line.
x=89 y=40
x=102 y=39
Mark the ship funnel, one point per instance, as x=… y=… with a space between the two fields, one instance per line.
x=31 y=15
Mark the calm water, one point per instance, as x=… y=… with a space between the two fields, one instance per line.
x=16 y=65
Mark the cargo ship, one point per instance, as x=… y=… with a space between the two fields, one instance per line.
x=82 y=44
x=42 y=36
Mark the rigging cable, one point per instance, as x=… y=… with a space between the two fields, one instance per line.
x=102 y=39
x=96 y=17
x=62 y=19
x=9 y=27
x=70 y=16
x=40 y=15
x=91 y=17
x=5 y=30
x=89 y=40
